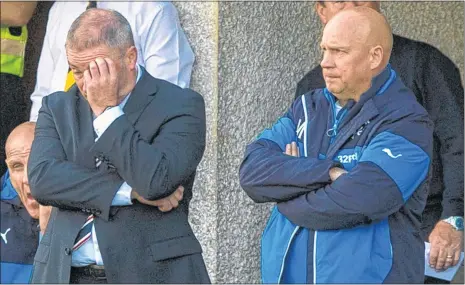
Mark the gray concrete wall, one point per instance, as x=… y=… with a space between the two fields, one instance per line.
x=250 y=56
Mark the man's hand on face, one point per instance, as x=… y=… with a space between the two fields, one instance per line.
x=292 y=149
x=44 y=216
x=335 y=172
x=101 y=85
x=446 y=245
x=165 y=204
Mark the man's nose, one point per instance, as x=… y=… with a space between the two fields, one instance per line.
x=25 y=179
x=326 y=61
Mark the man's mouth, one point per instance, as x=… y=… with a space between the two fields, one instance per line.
x=330 y=76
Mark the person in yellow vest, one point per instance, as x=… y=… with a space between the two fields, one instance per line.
x=13 y=33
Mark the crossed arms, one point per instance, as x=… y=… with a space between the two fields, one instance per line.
x=304 y=192
x=154 y=168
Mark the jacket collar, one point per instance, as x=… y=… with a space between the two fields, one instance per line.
x=379 y=84
x=142 y=94
x=8 y=193
x=364 y=110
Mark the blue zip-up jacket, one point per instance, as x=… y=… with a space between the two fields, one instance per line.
x=20 y=236
x=365 y=226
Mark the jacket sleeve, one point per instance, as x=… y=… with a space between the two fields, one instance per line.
x=391 y=168
x=54 y=181
x=444 y=97
x=268 y=175
x=156 y=168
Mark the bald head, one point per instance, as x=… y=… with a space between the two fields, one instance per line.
x=367 y=27
x=97 y=27
x=21 y=135
x=357 y=44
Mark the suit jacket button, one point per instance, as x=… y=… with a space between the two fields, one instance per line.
x=67 y=251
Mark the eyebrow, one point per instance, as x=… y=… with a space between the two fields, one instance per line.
x=333 y=47
x=72 y=66
x=12 y=161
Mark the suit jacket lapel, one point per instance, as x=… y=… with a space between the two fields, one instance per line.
x=84 y=128
x=141 y=96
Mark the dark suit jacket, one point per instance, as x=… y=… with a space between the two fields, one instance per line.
x=435 y=81
x=154 y=147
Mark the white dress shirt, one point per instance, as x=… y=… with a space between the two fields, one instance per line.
x=162 y=47
x=89 y=252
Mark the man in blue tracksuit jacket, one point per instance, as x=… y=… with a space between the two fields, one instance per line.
x=19 y=236
x=19 y=227
x=359 y=224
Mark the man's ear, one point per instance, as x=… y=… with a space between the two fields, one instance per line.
x=131 y=57
x=322 y=12
x=376 y=57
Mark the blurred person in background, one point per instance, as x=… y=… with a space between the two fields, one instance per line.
x=20 y=212
x=14 y=35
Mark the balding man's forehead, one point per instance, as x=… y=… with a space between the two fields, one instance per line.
x=343 y=33
x=18 y=146
x=362 y=24
x=18 y=152
x=21 y=135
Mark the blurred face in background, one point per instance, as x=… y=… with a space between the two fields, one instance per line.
x=327 y=9
x=18 y=147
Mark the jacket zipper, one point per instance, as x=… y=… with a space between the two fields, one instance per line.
x=314 y=257
x=332 y=134
x=337 y=118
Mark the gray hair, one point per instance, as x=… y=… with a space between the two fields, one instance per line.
x=97 y=27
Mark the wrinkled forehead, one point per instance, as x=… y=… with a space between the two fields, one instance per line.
x=18 y=153
x=82 y=57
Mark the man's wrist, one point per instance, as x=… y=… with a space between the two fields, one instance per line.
x=102 y=122
x=133 y=195
x=455 y=221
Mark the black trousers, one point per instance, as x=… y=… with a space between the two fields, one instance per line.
x=13 y=110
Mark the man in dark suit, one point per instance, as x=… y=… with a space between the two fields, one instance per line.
x=435 y=81
x=106 y=155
